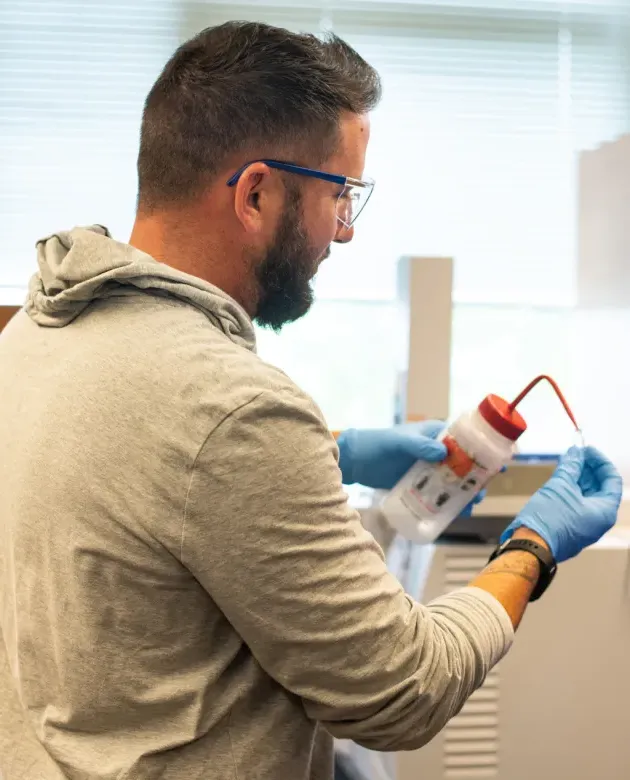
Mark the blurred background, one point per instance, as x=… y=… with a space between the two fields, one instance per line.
x=475 y=148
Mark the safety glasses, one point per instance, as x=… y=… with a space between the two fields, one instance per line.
x=351 y=201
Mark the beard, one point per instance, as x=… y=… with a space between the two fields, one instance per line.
x=286 y=272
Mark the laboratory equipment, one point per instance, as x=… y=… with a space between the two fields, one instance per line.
x=479 y=443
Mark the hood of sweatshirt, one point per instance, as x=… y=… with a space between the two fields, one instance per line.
x=82 y=265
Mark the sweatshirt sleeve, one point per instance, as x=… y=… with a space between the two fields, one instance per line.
x=269 y=534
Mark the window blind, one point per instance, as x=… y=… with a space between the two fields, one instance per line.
x=473 y=148
x=73 y=79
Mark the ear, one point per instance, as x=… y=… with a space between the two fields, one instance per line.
x=257 y=198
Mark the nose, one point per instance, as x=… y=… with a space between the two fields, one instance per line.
x=344 y=234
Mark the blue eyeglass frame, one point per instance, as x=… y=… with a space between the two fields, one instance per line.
x=302 y=171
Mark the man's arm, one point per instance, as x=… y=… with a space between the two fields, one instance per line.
x=512 y=577
x=269 y=534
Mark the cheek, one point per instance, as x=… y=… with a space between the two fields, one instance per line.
x=319 y=218
x=324 y=226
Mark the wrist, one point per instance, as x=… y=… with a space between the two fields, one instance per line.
x=511 y=578
x=528 y=544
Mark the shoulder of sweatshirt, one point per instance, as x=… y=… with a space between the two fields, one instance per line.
x=191 y=364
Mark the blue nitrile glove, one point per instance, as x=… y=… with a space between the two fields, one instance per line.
x=576 y=506
x=379 y=458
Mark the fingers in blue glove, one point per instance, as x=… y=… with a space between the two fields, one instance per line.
x=592 y=471
x=468 y=510
x=605 y=475
x=422 y=447
x=379 y=458
x=588 y=483
x=571 y=464
x=576 y=506
x=430 y=428
x=479 y=497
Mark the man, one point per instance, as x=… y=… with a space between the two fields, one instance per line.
x=185 y=590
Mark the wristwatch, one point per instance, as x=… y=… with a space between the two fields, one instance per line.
x=548 y=565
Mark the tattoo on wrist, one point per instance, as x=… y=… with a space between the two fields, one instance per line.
x=517 y=563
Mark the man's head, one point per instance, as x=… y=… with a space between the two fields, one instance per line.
x=244 y=93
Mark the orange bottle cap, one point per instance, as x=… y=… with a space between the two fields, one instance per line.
x=497 y=413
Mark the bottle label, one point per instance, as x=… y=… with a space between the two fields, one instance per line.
x=454 y=482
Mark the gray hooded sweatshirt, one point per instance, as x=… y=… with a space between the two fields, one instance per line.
x=185 y=592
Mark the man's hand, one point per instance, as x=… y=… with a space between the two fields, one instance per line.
x=379 y=458
x=573 y=510
x=577 y=505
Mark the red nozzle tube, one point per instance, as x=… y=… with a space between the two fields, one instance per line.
x=563 y=401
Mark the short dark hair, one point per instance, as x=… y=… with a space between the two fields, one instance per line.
x=246 y=87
